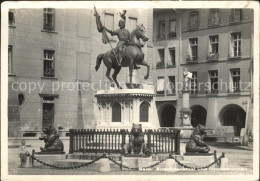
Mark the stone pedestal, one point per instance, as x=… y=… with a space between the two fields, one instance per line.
x=137 y=162
x=185 y=113
x=104 y=165
x=132 y=106
x=199 y=161
x=170 y=165
x=48 y=158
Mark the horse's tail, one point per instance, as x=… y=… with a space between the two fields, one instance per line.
x=98 y=62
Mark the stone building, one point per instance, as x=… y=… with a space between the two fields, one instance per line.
x=51 y=56
x=216 y=46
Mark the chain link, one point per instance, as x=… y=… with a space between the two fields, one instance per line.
x=124 y=166
x=73 y=167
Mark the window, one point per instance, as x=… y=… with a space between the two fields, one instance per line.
x=47 y=114
x=213 y=78
x=48 y=19
x=132 y=24
x=171 y=85
x=235 y=16
x=235 y=80
x=193 y=49
x=213 y=47
x=10 y=59
x=11 y=19
x=160 y=85
x=144 y=112
x=214 y=17
x=161 y=31
x=193 y=22
x=109 y=23
x=116 y=112
x=172 y=29
x=235 y=45
x=172 y=55
x=194 y=82
x=161 y=63
x=48 y=63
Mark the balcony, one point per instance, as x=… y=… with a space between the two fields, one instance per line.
x=161 y=37
x=170 y=65
x=172 y=35
x=237 y=55
x=235 y=19
x=191 y=59
x=213 y=22
x=160 y=65
x=193 y=26
x=213 y=56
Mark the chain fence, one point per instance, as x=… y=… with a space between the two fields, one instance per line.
x=216 y=161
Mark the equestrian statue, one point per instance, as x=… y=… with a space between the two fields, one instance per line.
x=128 y=52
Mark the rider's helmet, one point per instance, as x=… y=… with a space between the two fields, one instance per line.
x=121 y=23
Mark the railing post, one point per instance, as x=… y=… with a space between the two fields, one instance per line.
x=123 y=133
x=71 y=141
x=177 y=143
x=149 y=139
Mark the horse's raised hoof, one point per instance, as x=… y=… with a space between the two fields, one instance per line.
x=146 y=77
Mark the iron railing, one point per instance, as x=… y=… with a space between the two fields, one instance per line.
x=112 y=141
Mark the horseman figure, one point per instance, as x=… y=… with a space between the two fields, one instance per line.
x=123 y=36
x=129 y=49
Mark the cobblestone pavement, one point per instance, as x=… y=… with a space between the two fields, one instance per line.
x=239 y=157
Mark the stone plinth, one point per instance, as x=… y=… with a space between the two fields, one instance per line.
x=132 y=106
x=104 y=165
x=199 y=161
x=50 y=159
x=137 y=162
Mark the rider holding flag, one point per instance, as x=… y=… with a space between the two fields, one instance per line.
x=123 y=35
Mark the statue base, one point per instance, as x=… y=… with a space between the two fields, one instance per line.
x=136 y=162
x=50 y=153
x=136 y=155
x=47 y=158
x=198 y=154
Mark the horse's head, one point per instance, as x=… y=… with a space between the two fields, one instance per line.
x=140 y=33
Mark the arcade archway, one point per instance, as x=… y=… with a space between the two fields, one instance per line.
x=233 y=115
x=167 y=116
x=198 y=115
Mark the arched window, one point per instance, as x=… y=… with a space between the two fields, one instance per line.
x=116 y=112
x=144 y=112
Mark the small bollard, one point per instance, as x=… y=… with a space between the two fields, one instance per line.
x=104 y=165
x=170 y=165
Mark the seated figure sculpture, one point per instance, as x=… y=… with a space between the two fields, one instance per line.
x=196 y=145
x=136 y=143
x=52 y=142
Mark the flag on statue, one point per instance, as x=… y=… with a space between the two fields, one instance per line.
x=100 y=27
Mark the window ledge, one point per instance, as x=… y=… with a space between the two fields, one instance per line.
x=11 y=75
x=233 y=93
x=52 y=78
x=234 y=58
x=213 y=25
x=171 y=66
x=48 y=31
x=160 y=67
x=12 y=26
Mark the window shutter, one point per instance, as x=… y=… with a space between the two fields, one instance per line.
x=231 y=45
x=209 y=46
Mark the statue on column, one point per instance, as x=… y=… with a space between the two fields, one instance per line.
x=187 y=76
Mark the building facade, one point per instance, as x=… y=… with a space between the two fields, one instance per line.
x=51 y=56
x=216 y=46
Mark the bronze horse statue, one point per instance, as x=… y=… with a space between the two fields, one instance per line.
x=132 y=55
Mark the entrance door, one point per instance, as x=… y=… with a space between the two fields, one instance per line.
x=47 y=114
